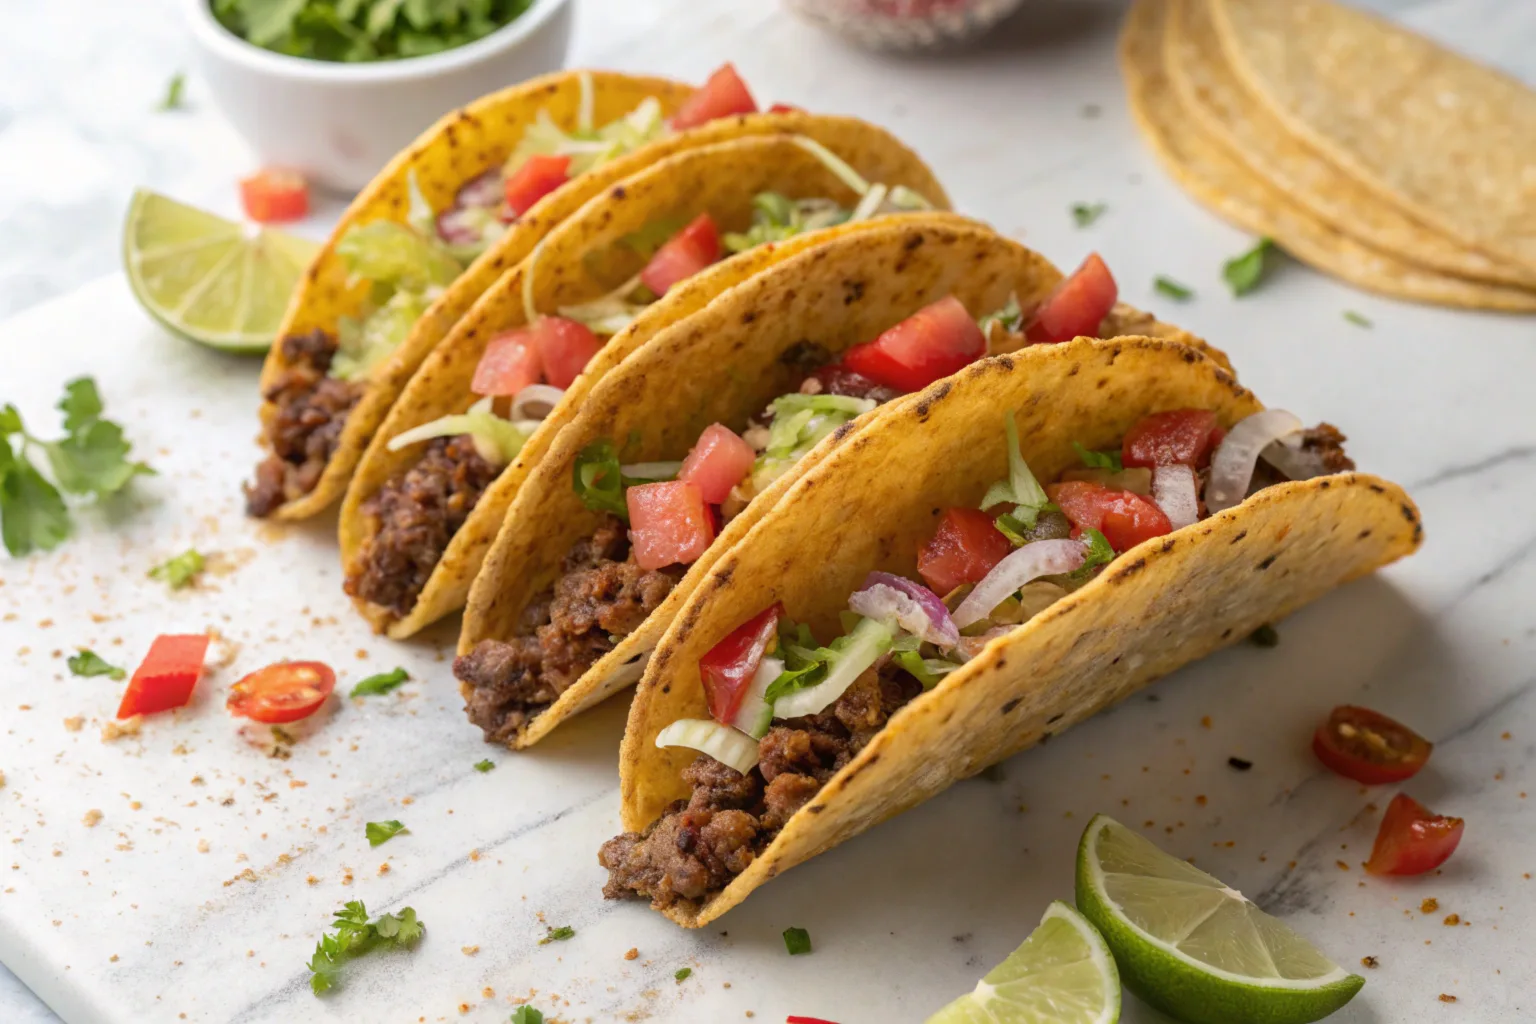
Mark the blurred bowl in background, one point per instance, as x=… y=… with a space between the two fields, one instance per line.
x=905 y=24
x=341 y=123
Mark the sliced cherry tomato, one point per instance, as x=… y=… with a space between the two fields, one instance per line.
x=1077 y=306
x=730 y=664
x=683 y=255
x=669 y=523
x=934 y=342
x=965 y=547
x=1179 y=437
x=511 y=362
x=1361 y=744
x=274 y=194
x=1125 y=518
x=717 y=463
x=538 y=176
x=785 y=108
x=723 y=95
x=166 y=677
x=565 y=348
x=285 y=692
x=1413 y=839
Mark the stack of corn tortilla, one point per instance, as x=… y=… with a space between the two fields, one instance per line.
x=1366 y=151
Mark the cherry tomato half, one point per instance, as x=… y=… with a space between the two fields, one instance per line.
x=1413 y=839
x=285 y=692
x=1361 y=744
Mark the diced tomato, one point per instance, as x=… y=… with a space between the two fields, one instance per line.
x=934 y=342
x=274 y=194
x=166 y=677
x=1125 y=518
x=1361 y=744
x=683 y=255
x=565 y=348
x=723 y=95
x=965 y=547
x=1413 y=839
x=669 y=523
x=511 y=362
x=538 y=176
x=717 y=463
x=730 y=664
x=1179 y=437
x=1077 y=306
x=785 y=108
x=285 y=692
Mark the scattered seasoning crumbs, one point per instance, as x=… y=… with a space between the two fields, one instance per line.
x=527 y=1015
x=683 y=973
x=173 y=91
x=1444 y=998
x=1244 y=272
x=380 y=832
x=1171 y=288
x=1369 y=961
x=381 y=683
x=1452 y=920
x=1358 y=319
x=560 y=934
x=1239 y=763
x=356 y=935
x=633 y=954
x=89 y=663
x=469 y=950
x=1429 y=906
x=1084 y=214
x=797 y=941
x=484 y=766
x=180 y=571
x=1265 y=636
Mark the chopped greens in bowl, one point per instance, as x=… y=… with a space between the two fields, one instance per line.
x=359 y=31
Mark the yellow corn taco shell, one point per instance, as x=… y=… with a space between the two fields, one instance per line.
x=723 y=364
x=580 y=260
x=872 y=501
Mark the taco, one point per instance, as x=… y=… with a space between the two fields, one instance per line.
x=610 y=532
x=444 y=467
x=453 y=212
x=981 y=566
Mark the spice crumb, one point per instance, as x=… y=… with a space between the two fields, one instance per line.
x=1429 y=906
x=75 y=723
x=1342 y=866
x=632 y=954
x=469 y=950
x=1205 y=722
x=203 y=846
x=1369 y=961
x=115 y=730
x=1452 y=920
x=92 y=816
x=1444 y=998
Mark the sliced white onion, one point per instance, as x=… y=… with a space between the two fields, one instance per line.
x=721 y=742
x=834 y=163
x=1232 y=464
x=903 y=198
x=535 y=402
x=651 y=470
x=869 y=204
x=755 y=714
x=584 y=111
x=911 y=606
x=870 y=639
x=1033 y=560
x=1173 y=488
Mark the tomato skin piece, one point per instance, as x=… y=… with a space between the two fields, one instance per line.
x=722 y=95
x=1078 y=305
x=965 y=547
x=275 y=194
x=717 y=463
x=510 y=363
x=932 y=343
x=565 y=348
x=730 y=664
x=669 y=523
x=1125 y=518
x=1413 y=839
x=536 y=178
x=166 y=677
x=684 y=254
x=282 y=693
x=1369 y=747
x=796 y=1019
x=1179 y=437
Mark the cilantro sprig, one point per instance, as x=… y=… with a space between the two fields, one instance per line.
x=356 y=935
x=90 y=460
x=89 y=663
x=381 y=832
x=559 y=934
x=364 y=30
x=526 y=1014
x=180 y=571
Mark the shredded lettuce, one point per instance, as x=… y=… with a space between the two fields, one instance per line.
x=418 y=213
x=611 y=313
x=1021 y=489
x=799 y=424
x=397 y=255
x=598 y=479
x=497 y=440
x=1011 y=317
x=364 y=344
x=811 y=686
x=776 y=217
x=586 y=146
x=1109 y=460
x=927 y=671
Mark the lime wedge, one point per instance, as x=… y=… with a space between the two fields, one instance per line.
x=1195 y=948
x=1062 y=974
x=211 y=280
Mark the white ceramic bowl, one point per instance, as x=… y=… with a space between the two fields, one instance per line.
x=341 y=123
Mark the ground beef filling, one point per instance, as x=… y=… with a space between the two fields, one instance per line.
x=601 y=595
x=417 y=515
x=312 y=408
x=698 y=845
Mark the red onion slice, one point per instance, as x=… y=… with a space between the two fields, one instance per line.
x=535 y=402
x=1033 y=560
x=912 y=606
x=486 y=191
x=1232 y=464
x=460 y=225
x=1173 y=488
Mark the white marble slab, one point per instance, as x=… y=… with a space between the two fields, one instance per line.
x=906 y=916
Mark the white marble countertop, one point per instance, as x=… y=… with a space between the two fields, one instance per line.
x=1434 y=399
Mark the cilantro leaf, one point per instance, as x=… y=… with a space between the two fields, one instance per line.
x=381 y=683
x=1099 y=553
x=683 y=973
x=526 y=1014
x=1171 y=288
x=81 y=404
x=10 y=421
x=560 y=934
x=598 y=481
x=32 y=512
x=797 y=941
x=93 y=460
x=89 y=663
x=1021 y=488
x=179 y=571
x=380 y=832
x=1109 y=460
x=1084 y=214
x=1010 y=316
x=401 y=928
x=173 y=91
x=484 y=766
x=1244 y=272
x=356 y=935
